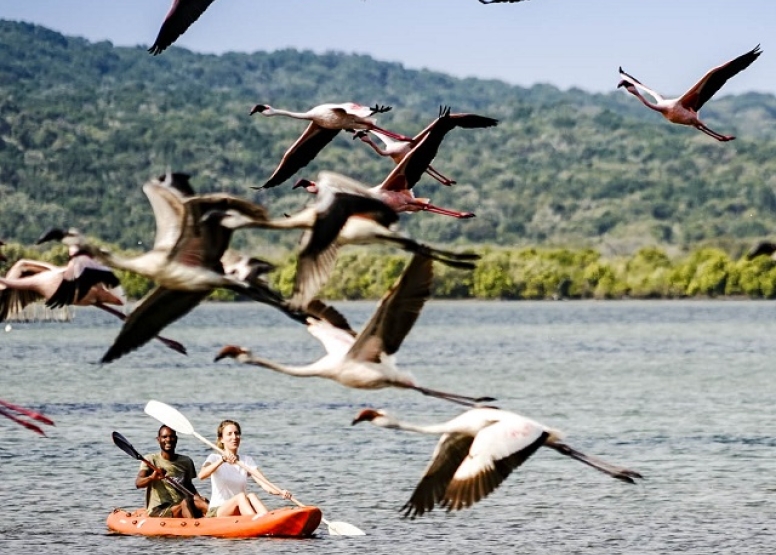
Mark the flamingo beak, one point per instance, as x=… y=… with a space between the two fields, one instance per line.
x=259 y=108
x=307 y=184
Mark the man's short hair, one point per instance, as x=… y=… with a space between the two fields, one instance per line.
x=162 y=427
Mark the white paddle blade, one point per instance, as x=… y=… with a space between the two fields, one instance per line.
x=339 y=528
x=169 y=417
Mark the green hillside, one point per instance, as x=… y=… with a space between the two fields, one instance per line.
x=83 y=125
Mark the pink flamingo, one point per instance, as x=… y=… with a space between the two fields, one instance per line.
x=396 y=189
x=398 y=150
x=366 y=360
x=477 y=451
x=326 y=120
x=684 y=109
x=82 y=282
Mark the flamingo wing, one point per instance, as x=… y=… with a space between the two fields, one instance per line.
x=322 y=311
x=153 y=313
x=180 y=17
x=313 y=269
x=450 y=452
x=397 y=312
x=13 y=301
x=78 y=278
x=710 y=83
x=204 y=242
x=169 y=214
x=335 y=341
x=496 y=451
x=318 y=255
x=426 y=146
x=301 y=153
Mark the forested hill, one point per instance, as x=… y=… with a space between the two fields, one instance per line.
x=83 y=125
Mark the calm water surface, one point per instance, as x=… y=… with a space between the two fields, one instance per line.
x=681 y=391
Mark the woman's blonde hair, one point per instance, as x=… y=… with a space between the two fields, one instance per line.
x=221 y=426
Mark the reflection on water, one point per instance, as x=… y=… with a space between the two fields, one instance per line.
x=681 y=391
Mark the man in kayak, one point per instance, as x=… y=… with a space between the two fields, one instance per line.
x=167 y=484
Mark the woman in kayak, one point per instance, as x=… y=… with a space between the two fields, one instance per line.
x=229 y=480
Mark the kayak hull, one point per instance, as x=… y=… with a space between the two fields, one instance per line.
x=288 y=522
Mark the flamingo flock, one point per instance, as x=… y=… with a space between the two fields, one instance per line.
x=191 y=257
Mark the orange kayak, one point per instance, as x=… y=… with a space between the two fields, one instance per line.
x=289 y=522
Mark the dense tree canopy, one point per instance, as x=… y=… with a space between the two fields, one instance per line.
x=83 y=125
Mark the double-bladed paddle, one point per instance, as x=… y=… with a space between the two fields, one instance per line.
x=171 y=417
x=123 y=444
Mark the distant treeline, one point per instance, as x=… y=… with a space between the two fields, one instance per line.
x=83 y=125
x=527 y=273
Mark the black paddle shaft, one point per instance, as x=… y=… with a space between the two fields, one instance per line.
x=123 y=444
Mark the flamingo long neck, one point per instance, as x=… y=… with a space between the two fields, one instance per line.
x=386 y=139
x=652 y=106
x=120 y=262
x=376 y=148
x=287 y=113
x=309 y=371
x=431 y=429
x=304 y=219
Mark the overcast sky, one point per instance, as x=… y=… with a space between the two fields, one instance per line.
x=667 y=44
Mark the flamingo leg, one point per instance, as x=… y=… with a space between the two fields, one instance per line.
x=447 y=211
x=29 y=425
x=614 y=471
x=439 y=177
x=452 y=259
x=711 y=133
x=170 y=343
x=453 y=397
x=27 y=412
x=397 y=136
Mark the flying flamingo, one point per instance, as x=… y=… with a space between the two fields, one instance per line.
x=684 y=109
x=396 y=189
x=397 y=150
x=344 y=213
x=180 y=17
x=366 y=361
x=82 y=282
x=235 y=264
x=326 y=120
x=185 y=262
x=477 y=451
